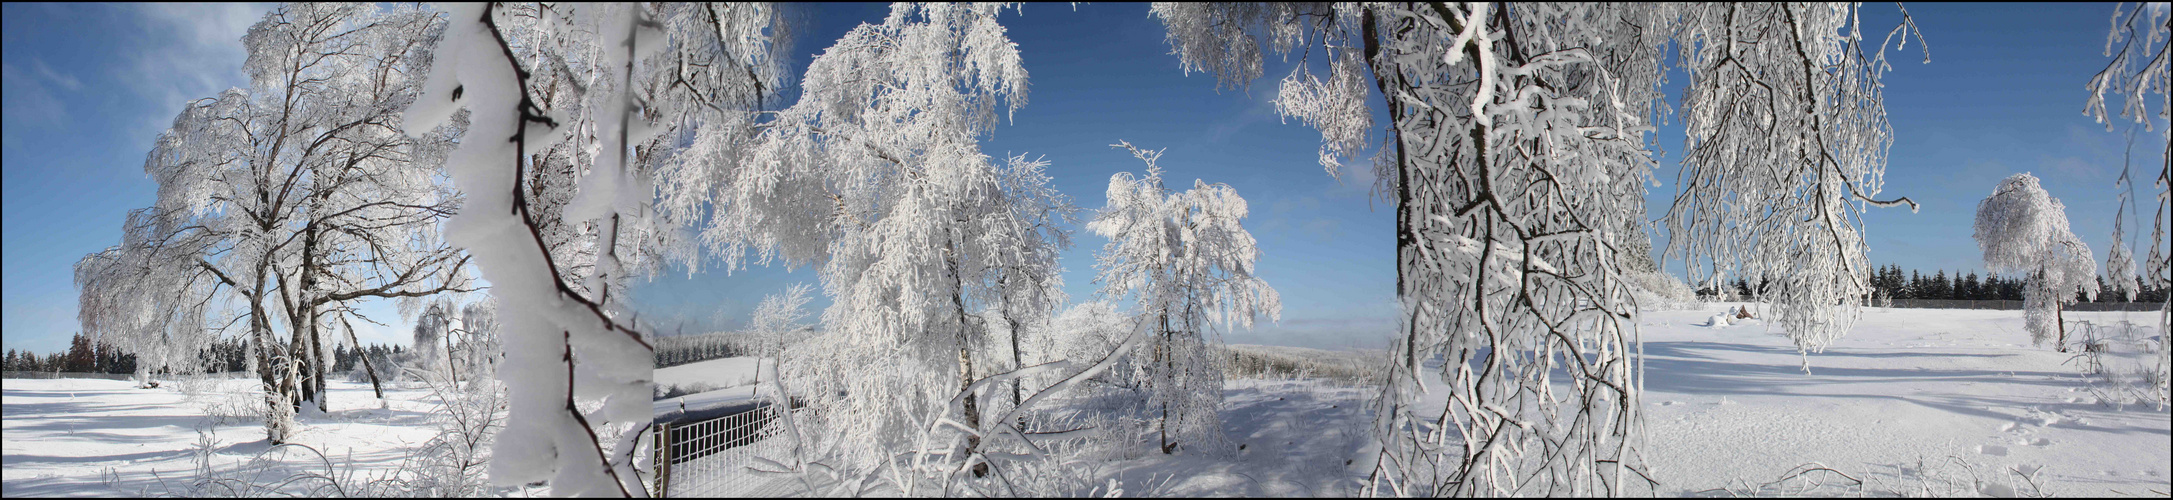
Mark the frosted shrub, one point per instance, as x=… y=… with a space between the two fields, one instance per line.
x=2125 y=363
x=1659 y=291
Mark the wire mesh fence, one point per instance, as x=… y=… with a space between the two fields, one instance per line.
x=719 y=457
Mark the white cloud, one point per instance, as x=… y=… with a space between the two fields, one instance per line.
x=63 y=79
x=190 y=51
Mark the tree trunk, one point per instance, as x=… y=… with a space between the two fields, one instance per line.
x=2060 y=319
x=1017 y=360
x=972 y=407
x=1162 y=355
x=260 y=339
x=365 y=356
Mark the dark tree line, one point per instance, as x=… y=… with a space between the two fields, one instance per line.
x=381 y=355
x=1941 y=286
x=1893 y=282
x=85 y=355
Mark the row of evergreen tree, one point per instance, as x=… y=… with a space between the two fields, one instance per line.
x=1893 y=283
x=381 y=357
x=83 y=355
x=1941 y=286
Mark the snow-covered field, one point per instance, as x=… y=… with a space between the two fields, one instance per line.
x=1733 y=403
x=705 y=385
x=1913 y=401
x=81 y=437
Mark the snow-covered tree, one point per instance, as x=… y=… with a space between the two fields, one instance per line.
x=145 y=300
x=1187 y=263
x=1515 y=150
x=299 y=195
x=597 y=101
x=875 y=175
x=2024 y=230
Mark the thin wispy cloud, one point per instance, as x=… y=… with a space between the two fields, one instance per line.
x=29 y=102
x=64 y=80
x=189 y=51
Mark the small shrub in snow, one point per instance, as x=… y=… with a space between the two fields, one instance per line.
x=1659 y=291
x=2125 y=363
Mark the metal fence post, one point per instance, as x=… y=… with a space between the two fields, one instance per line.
x=663 y=459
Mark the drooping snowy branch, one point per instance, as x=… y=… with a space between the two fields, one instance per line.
x=1787 y=144
x=2138 y=70
x=875 y=175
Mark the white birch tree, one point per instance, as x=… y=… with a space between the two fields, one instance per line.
x=939 y=260
x=299 y=194
x=1187 y=262
x=1515 y=149
x=2024 y=230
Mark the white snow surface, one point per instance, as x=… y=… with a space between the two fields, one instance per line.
x=710 y=384
x=1733 y=402
x=716 y=373
x=62 y=434
x=1726 y=407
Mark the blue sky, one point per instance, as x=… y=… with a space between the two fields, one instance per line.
x=87 y=87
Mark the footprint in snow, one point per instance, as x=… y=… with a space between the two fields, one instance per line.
x=2041 y=442
x=1992 y=450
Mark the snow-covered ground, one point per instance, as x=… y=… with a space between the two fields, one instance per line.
x=715 y=373
x=1297 y=436
x=82 y=437
x=1730 y=409
x=707 y=389
x=1912 y=401
x=1733 y=403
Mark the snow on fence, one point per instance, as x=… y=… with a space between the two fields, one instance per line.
x=2012 y=305
x=716 y=457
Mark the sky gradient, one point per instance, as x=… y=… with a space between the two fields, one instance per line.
x=88 y=86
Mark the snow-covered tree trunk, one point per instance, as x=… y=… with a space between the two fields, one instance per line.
x=577 y=371
x=1514 y=145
